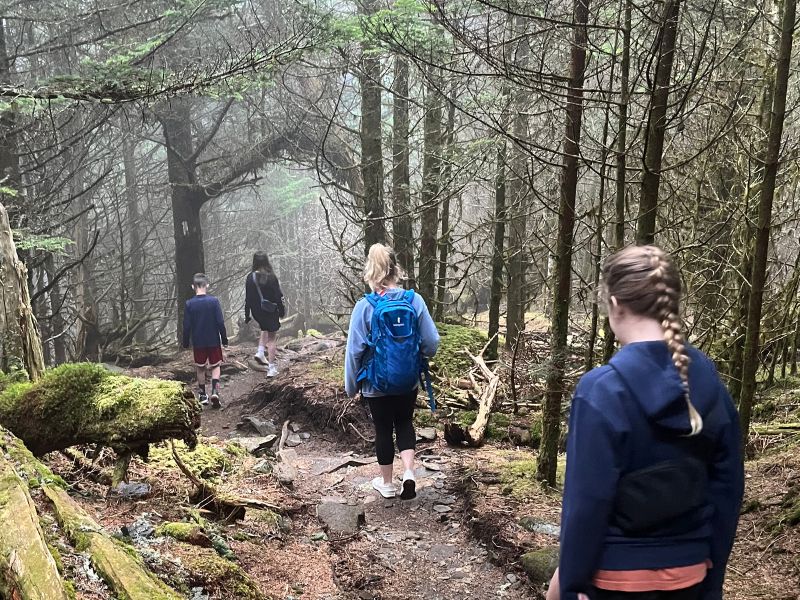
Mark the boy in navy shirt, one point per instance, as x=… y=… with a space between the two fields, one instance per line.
x=204 y=327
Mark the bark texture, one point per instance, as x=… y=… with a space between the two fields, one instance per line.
x=20 y=346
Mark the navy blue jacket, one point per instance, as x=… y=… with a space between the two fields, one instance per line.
x=203 y=323
x=632 y=414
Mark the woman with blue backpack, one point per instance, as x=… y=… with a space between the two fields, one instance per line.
x=390 y=337
x=264 y=301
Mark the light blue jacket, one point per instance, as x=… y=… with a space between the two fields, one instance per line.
x=358 y=337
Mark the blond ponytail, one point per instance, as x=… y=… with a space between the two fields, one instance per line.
x=381 y=270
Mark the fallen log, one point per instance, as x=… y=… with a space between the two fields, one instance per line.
x=474 y=435
x=124 y=573
x=83 y=403
x=27 y=569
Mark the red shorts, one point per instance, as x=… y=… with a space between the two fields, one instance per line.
x=212 y=356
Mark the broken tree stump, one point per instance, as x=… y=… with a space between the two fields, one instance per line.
x=20 y=345
x=475 y=434
x=124 y=573
x=83 y=403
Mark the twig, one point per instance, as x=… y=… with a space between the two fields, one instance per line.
x=284 y=436
x=368 y=440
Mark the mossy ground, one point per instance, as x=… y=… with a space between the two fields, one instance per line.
x=332 y=373
x=205 y=460
x=496 y=429
x=220 y=575
x=450 y=360
x=518 y=477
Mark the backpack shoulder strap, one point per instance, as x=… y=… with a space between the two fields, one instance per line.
x=258 y=287
x=408 y=296
x=373 y=299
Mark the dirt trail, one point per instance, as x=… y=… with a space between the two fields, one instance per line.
x=403 y=549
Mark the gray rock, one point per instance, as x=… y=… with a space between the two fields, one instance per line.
x=442 y=552
x=305 y=436
x=133 y=490
x=540 y=564
x=426 y=433
x=341 y=519
x=256 y=445
x=535 y=525
x=293 y=440
x=263 y=466
x=259 y=426
x=441 y=508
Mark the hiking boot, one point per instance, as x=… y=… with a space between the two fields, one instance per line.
x=409 y=488
x=272 y=371
x=203 y=398
x=215 y=399
x=260 y=359
x=386 y=490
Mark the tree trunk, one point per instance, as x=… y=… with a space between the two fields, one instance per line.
x=496 y=294
x=371 y=150
x=83 y=403
x=402 y=223
x=136 y=250
x=551 y=411
x=20 y=345
x=518 y=195
x=444 y=240
x=609 y=341
x=187 y=200
x=771 y=164
x=431 y=185
x=10 y=180
x=657 y=123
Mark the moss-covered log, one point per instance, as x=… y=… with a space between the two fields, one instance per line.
x=83 y=403
x=27 y=569
x=116 y=563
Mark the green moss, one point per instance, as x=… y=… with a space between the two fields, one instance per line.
x=235 y=449
x=519 y=477
x=69 y=589
x=183 y=532
x=328 y=372
x=540 y=564
x=424 y=418
x=205 y=461
x=222 y=576
x=496 y=428
x=450 y=360
x=12 y=377
x=27 y=465
x=536 y=433
x=273 y=520
x=313 y=333
x=57 y=557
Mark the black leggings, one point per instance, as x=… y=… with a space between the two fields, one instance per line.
x=692 y=593
x=393 y=413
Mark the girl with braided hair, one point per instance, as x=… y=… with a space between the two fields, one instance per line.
x=654 y=477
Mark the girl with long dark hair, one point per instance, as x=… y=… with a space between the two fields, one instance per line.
x=264 y=301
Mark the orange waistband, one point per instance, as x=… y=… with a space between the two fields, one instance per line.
x=650 y=580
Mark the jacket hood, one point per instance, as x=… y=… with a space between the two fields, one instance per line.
x=653 y=380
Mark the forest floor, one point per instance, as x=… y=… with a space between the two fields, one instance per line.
x=477 y=511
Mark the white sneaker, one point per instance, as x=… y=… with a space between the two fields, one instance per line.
x=409 y=489
x=272 y=371
x=260 y=358
x=386 y=490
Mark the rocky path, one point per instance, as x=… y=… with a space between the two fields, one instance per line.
x=376 y=548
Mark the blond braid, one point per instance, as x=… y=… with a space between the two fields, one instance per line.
x=667 y=306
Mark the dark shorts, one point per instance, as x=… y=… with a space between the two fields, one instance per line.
x=211 y=356
x=268 y=321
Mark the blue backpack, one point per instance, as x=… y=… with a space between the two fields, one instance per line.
x=394 y=363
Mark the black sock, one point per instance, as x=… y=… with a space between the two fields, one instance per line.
x=215 y=385
x=202 y=388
